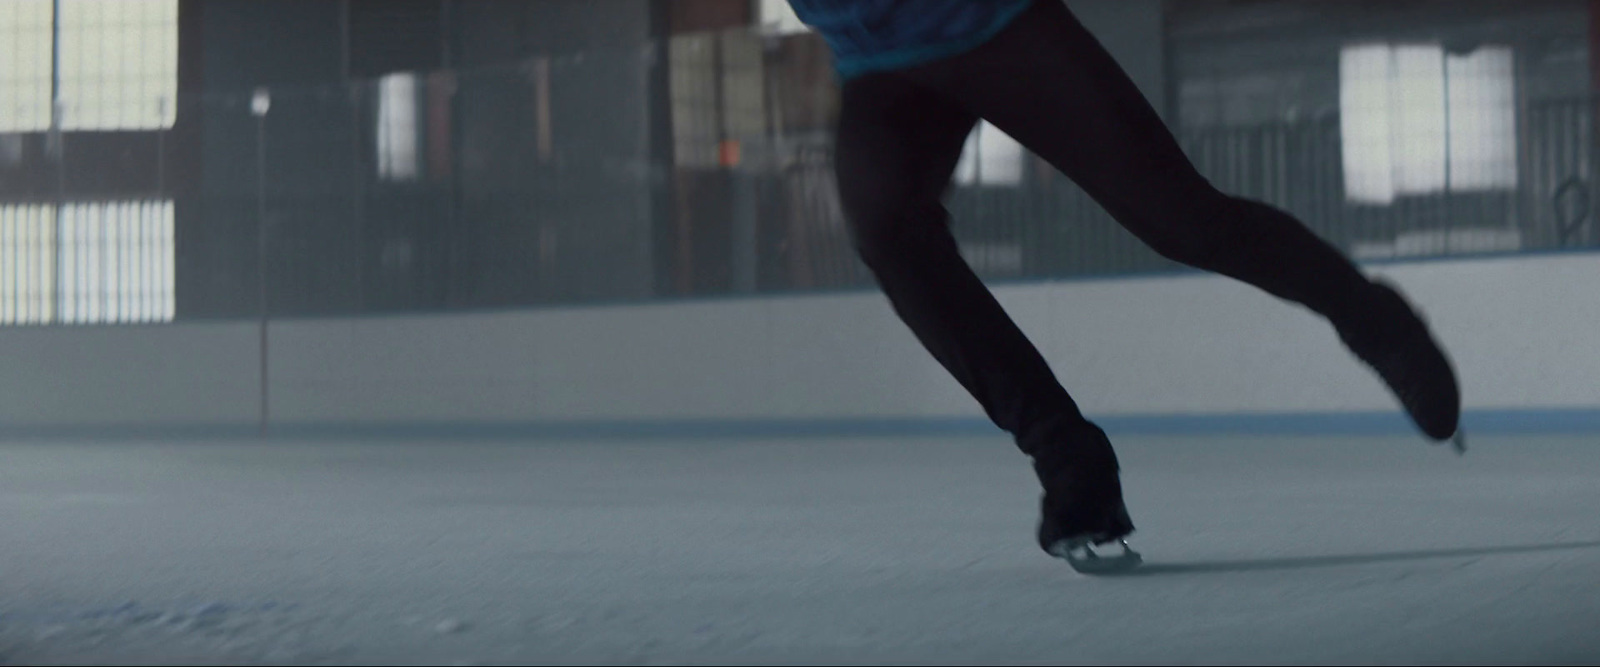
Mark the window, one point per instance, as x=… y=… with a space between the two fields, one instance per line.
x=1417 y=120
x=991 y=157
x=27 y=264
x=777 y=17
x=25 y=32
x=118 y=69
x=97 y=263
x=398 y=129
x=1483 y=128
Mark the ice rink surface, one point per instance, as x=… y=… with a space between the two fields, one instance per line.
x=874 y=550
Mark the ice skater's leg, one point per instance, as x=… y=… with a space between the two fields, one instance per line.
x=896 y=148
x=1049 y=84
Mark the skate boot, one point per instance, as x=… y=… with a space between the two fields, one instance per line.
x=1394 y=340
x=1082 y=507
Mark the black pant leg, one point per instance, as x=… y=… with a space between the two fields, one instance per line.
x=897 y=147
x=1048 y=83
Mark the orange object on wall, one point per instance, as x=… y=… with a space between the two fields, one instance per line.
x=728 y=153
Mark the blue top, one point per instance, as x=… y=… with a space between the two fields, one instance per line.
x=877 y=35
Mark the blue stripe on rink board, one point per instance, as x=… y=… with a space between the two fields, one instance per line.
x=1477 y=422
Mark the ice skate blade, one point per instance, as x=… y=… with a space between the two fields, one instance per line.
x=1083 y=559
x=1459 y=442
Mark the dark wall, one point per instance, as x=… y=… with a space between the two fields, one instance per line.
x=556 y=152
x=297 y=155
x=503 y=198
x=253 y=43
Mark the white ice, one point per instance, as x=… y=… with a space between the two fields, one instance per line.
x=1258 y=550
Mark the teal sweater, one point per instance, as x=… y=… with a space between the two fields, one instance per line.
x=878 y=35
